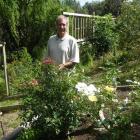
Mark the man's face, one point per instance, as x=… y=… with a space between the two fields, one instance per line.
x=61 y=27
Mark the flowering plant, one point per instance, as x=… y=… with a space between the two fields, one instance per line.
x=53 y=101
x=106 y=108
x=90 y=102
x=87 y=90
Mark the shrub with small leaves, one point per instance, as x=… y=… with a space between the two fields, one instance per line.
x=51 y=103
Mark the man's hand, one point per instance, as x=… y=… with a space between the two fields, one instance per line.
x=66 y=65
x=62 y=66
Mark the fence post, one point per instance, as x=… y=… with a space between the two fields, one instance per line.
x=5 y=67
x=68 y=24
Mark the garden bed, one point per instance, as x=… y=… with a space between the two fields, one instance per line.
x=86 y=131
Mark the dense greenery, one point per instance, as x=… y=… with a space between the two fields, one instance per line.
x=104 y=37
x=128 y=25
x=72 y=4
x=28 y=23
x=21 y=71
x=104 y=7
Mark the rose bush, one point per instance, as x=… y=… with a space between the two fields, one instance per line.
x=51 y=105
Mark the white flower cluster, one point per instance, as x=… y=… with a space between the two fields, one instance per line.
x=85 y=89
x=28 y=124
x=101 y=115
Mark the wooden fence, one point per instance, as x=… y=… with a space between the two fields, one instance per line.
x=80 y=25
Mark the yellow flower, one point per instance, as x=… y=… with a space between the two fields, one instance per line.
x=110 y=89
x=92 y=98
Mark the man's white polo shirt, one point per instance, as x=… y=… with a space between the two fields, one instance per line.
x=63 y=50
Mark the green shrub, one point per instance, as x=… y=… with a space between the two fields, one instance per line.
x=86 y=54
x=21 y=70
x=128 y=26
x=104 y=36
x=53 y=101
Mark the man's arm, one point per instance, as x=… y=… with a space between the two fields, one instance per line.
x=69 y=64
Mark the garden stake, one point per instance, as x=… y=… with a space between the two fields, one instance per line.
x=5 y=67
x=2 y=128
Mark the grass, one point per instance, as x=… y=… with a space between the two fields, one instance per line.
x=126 y=63
x=9 y=102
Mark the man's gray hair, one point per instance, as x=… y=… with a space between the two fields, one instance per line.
x=61 y=17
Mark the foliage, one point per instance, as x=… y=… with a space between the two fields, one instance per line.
x=128 y=45
x=28 y=23
x=113 y=7
x=2 y=83
x=21 y=70
x=72 y=4
x=94 y=8
x=115 y=110
x=88 y=8
x=110 y=110
x=135 y=97
x=86 y=55
x=104 y=37
x=51 y=105
x=104 y=7
x=10 y=18
x=128 y=26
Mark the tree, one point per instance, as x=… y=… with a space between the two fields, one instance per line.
x=113 y=6
x=73 y=4
x=128 y=25
x=28 y=23
x=89 y=8
x=94 y=8
x=104 y=7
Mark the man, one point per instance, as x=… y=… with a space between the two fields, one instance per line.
x=63 y=48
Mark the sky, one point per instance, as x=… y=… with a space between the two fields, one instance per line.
x=82 y=2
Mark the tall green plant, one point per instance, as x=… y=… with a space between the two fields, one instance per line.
x=104 y=36
x=128 y=25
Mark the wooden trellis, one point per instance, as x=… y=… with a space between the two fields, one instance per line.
x=79 y=25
